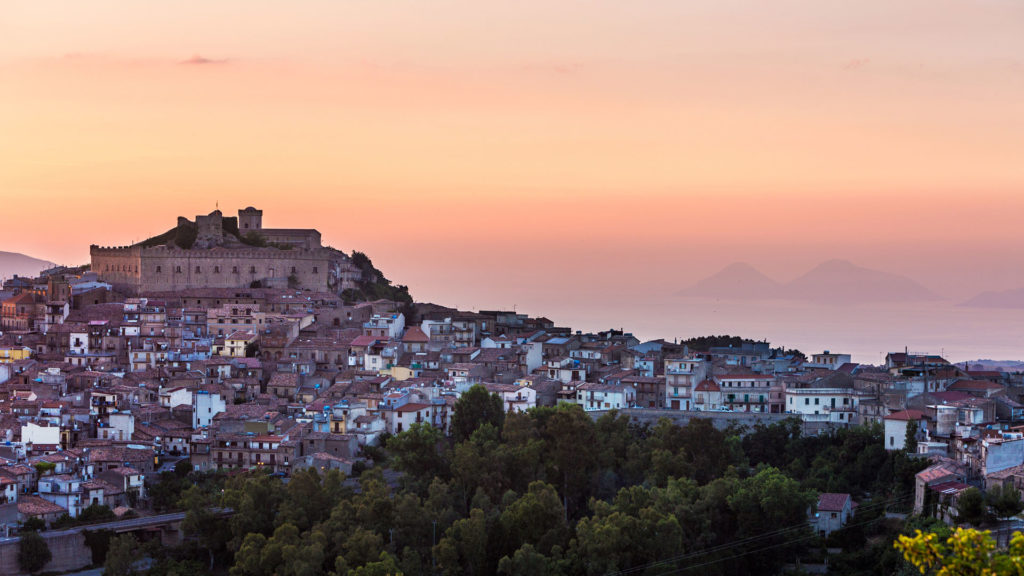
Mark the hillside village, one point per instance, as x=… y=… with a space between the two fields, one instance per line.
x=101 y=389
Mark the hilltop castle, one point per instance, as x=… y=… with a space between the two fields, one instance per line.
x=225 y=252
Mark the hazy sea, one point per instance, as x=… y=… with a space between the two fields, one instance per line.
x=867 y=331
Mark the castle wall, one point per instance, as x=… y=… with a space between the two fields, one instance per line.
x=121 y=267
x=166 y=269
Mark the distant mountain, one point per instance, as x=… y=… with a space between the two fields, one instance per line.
x=843 y=281
x=832 y=281
x=12 y=263
x=997 y=299
x=739 y=281
x=993 y=365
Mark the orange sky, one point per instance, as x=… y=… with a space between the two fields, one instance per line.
x=492 y=155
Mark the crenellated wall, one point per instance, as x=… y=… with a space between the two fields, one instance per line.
x=162 y=268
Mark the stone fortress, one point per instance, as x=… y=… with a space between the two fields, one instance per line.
x=225 y=252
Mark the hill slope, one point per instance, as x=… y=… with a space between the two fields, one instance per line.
x=12 y=263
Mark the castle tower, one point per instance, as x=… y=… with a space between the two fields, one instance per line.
x=250 y=219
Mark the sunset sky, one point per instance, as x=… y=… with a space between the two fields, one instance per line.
x=491 y=154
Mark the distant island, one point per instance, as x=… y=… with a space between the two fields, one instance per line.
x=1013 y=298
x=832 y=281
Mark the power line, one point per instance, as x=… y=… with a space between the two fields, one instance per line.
x=874 y=506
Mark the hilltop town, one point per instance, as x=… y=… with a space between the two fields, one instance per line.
x=222 y=345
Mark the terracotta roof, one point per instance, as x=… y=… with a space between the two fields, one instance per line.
x=415 y=334
x=831 y=502
x=412 y=407
x=707 y=386
x=906 y=415
x=36 y=506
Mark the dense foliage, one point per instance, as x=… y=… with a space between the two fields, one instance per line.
x=553 y=491
x=33 y=552
x=373 y=285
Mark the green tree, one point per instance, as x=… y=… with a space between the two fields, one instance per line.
x=967 y=552
x=98 y=542
x=1004 y=500
x=463 y=550
x=525 y=562
x=567 y=432
x=474 y=408
x=910 y=442
x=210 y=532
x=33 y=552
x=385 y=565
x=122 y=555
x=970 y=506
x=536 y=518
x=415 y=452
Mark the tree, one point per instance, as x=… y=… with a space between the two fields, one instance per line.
x=967 y=552
x=970 y=506
x=1004 y=500
x=415 y=453
x=121 y=556
x=525 y=562
x=33 y=552
x=910 y=442
x=474 y=408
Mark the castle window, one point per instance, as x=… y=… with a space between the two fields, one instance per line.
x=234 y=269
x=198 y=270
x=216 y=269
x=252 y=269
x=158 y=270
x=177 y=269
x=293 y=269
x=315 y=271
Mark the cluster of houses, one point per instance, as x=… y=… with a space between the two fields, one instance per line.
x=108 y=387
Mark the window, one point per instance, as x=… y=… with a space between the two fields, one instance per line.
x=315 y=270
x=216 y=269
x=177 y=269
x=252 y=269
x=816 y=401
x=293 y=269
x=807 y=401
x=234 y=269
x=158 y=270
x=198 y=270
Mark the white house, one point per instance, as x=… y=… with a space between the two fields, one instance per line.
x=121 y=426
x=823 y=404
x=681 y=375
x=594 y=396
x=206 y=406
x=896 y=427
x=32 y=433
x=171 y=397
x=515 y=398
x=833 y=512
x=828 y=360
x=63 y=490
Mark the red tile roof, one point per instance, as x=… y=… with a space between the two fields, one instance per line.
x=830 y=502
x=906 y=415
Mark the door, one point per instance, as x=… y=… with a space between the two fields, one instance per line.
x=675 y=404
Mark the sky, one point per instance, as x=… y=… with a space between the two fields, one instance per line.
x=526 y=154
